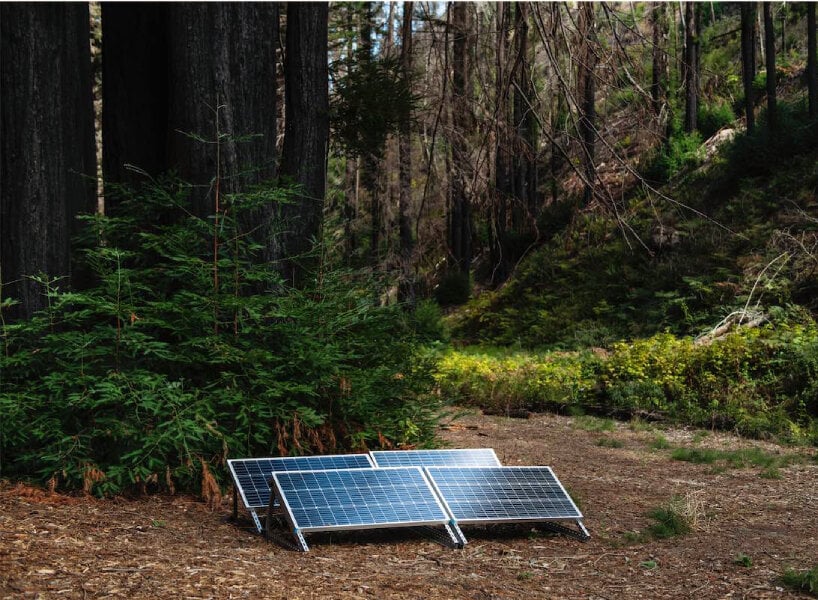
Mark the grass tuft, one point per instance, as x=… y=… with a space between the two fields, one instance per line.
x=738 y=459
x=698 y=456
x=670 y=522
x=803 y=581
x=743 y=560
x=594 y=424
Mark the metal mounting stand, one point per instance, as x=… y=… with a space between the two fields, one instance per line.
x=582 y=535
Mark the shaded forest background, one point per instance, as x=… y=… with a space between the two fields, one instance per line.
x=233 y=229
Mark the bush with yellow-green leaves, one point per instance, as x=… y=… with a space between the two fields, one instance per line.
x=758 y=382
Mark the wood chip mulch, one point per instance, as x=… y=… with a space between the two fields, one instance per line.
x=56 y=546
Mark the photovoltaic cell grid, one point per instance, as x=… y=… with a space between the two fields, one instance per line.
x=502 y=494
x=471 y=457
x=252 y=475
x=357 y=499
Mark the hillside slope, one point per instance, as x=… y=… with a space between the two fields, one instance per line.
x=739 y=232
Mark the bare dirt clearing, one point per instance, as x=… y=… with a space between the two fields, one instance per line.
x=174 y=547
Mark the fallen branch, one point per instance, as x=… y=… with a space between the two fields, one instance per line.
x=735 y=320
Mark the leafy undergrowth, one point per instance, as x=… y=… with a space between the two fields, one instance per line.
x=760 y=382
x=171 y=361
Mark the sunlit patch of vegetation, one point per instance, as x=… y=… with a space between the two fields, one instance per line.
x=738 y=459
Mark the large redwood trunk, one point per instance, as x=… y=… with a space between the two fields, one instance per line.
x=48 y=163
x=304 y=157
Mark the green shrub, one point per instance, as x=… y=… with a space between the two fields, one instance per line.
x=427 y=321
x=713 y=117
x=682 y=152
x=503 y=381
x=154 y=371
x=757 y=382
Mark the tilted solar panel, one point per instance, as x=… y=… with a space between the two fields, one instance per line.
x=448 y=457
x=358 y=499
x=503 y=494
x=252 y=475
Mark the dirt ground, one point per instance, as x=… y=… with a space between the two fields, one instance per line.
x=54 y=546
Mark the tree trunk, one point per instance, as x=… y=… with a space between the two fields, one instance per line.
x=587 y=94
x=748 y=61
x=370 y=163
x=460 y=218
x=349 y=214
x=134 y=91
x=222 y=86
x=658 y=85
x=691 y=67
x=46 y=144
x=406 y=289
x=812 y=59
x=769 y=43
x=304 y=158
x=503 y=189
x=525 y=175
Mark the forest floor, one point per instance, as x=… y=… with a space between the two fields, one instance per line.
x=54 y=546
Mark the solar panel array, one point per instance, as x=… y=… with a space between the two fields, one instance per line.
x=402 y=488
x=498 y=494
x=471 y=457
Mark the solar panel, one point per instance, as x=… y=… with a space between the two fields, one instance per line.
x=449 y=457
x=504 y=494
x=358 y=499
x=251 y=475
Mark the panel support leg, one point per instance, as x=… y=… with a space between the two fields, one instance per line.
x=300 y=541
x=457 y=535
x=257 y=521
x=584 y=535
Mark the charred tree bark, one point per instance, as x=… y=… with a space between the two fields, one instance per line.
x=769 y=48
x=406 y=288
x=134 y=91
x=748 y=61
x=460 y=216
x=349 y=213
x=47 y=157
x=691 y=67
x=222 y=88
x=304 y=157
